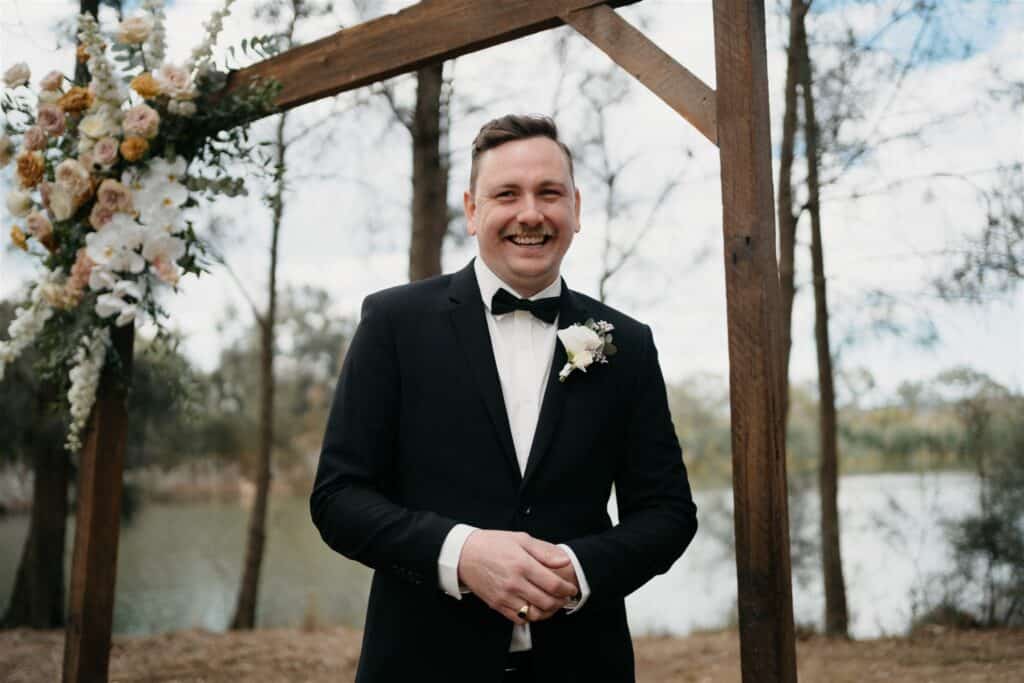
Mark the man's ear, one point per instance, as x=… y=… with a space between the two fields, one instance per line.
x=469 y=207
x=577 y=194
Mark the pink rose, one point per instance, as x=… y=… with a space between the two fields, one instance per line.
x=52 y=81
x=114 y=196
x=175 y=82
x=100 y=216
x=51 y=119
x=39 y=225
x=104 y=152
x=141 y=120
x=35 y=138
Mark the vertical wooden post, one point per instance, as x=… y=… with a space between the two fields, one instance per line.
x=753 y=307
x=97 y=525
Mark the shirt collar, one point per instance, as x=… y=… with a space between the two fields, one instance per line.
x=490 y=283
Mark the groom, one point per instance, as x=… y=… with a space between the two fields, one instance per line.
x=475 y=482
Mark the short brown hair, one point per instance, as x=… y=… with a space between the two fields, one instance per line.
x=512 y=127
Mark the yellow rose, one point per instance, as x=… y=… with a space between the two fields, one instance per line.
x=18 y=237
x=134 y=148
x=145 y=85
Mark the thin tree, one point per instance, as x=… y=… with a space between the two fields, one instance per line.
x=836 y=615
x=248 y=589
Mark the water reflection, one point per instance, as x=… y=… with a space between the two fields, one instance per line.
x=179 y=565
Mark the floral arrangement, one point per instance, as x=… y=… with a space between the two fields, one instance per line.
x=585 y=345
x=103 y=174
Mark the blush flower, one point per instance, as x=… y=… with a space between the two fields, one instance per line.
x=34 y=139
x=19 y=203
x=104 y=152
x=114 y=196
x=17 y=75
x=142 y=121
x=39 y=226
x=134 y=30
x=73 y=177
x=52 y=81
x=50 y=118
x=175 y=82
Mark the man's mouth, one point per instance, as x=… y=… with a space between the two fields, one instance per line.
x=529 y=240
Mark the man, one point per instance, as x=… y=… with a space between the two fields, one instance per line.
x=474 y=481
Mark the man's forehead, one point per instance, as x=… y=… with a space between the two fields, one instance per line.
x=541 y=159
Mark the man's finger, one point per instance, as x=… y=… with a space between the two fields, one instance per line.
x=546 y=553
x=549 y=582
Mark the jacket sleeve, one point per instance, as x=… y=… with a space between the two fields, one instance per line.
x=657 y=516
x=353 y=503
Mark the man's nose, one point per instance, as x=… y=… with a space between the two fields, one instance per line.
x=529 y=214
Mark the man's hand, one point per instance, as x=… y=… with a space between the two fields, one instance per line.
x=508 y=569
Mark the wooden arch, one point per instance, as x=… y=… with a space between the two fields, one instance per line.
x=735 y=118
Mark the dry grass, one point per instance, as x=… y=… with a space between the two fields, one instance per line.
x=322 y=655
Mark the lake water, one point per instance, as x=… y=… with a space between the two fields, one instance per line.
x=179 y=565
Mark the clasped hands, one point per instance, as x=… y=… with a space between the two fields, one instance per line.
x=509 y=569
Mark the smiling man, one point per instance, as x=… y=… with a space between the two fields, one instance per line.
x=460 y=466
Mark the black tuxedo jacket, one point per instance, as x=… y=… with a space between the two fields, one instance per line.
x=418 y=439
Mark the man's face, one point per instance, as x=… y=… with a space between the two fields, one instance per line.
x=523 y=212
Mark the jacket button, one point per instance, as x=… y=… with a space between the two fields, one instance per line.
x=527 y=510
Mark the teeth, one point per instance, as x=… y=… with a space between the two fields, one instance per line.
x=528 y=239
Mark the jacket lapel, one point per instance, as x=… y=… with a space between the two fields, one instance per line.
x=471 y=330
x=570 y=312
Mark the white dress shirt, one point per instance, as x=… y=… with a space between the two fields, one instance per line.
x=524 y=349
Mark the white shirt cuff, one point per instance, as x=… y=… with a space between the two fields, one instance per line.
x=448 y=560
x=581 y=578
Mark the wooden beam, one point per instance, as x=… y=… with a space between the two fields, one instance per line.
x=628 y=47
x=427 y=32
x=755 y=360
x=97 y=524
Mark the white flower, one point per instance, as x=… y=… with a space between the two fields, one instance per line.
x=17 y=75
x=114 y=246
x=134 y=30
x=158 y=193
x=163 y=246
x=19 y=203
x=28 y=322
x=101 y=278
x=85 y=379
x=115 y=302
x=584 y=345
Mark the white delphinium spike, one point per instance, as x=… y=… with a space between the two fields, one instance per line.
x=202 y=54
x=109 y=92
x=85 y=379
x=27 y=324
x=156 y=44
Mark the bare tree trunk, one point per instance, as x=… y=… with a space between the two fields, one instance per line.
x=248 y=591
x=37 y=600
x=429 y=175
x=787 y=219
x=836 y=620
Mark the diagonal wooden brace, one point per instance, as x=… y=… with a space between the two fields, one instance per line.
x=628 y=47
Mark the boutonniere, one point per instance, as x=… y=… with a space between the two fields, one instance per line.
x=585 y=344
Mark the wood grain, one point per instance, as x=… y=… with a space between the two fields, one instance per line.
x=628 y=47
x=767 y=649
x=429 y=31
x=94 y=560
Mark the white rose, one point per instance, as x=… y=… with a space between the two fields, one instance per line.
x=175 y=82
x=134 y=30
x=19 y=203
x=17 y=75
x=578 y=339
x=62 y=203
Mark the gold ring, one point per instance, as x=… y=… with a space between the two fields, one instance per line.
x=524 y=612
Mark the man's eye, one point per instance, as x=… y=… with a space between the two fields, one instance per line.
x=505 y=194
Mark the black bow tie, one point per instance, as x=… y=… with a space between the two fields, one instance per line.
x=542 y=309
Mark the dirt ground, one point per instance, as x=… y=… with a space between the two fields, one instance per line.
x=330 y=655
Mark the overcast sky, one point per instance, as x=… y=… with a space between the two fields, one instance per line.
x=346 y=222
